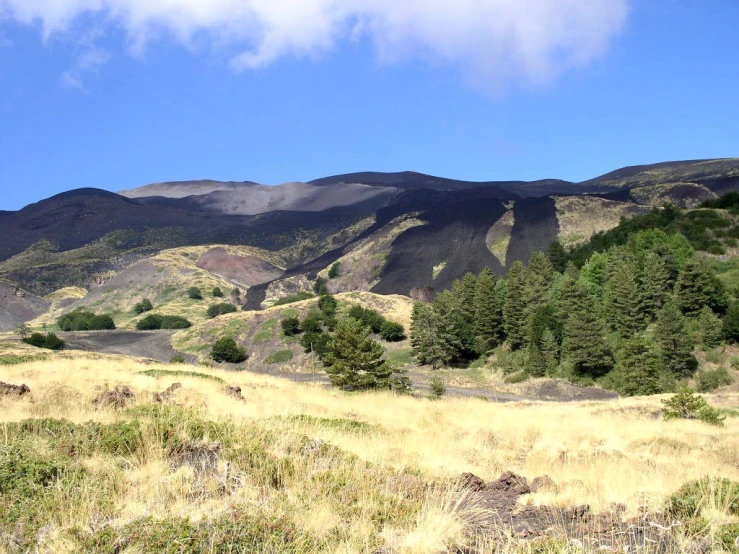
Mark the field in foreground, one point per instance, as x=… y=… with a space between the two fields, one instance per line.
x=92 y=461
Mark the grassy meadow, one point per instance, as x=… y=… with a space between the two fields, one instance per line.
x=303 y=468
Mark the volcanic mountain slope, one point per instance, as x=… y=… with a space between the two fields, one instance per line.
x=86 y=237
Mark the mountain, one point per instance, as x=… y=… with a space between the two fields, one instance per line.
x=390 y=232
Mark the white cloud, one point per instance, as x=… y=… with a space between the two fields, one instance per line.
x=491 y=40
x=88 y=61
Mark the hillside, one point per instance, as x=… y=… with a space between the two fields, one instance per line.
x=392 y=232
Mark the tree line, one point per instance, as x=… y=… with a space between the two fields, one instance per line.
x=629 y=317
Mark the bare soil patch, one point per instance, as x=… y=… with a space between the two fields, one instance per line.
x=245 y=270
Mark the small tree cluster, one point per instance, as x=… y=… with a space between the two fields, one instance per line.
x=194 y=293
x=153 y=322
x=82 y=319
x=390 y=331
x=291 y=326
x=49 y=341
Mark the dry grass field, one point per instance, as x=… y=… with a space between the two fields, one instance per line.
x=303 y=468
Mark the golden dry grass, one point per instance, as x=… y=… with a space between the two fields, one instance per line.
x=499 y=235
x=581 y=217
x=598 y=453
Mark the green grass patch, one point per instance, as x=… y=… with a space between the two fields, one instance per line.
x=266 y=331
x=401 y=357
x=293 y=298
x=179 y=373
x=346 y=425
x=290 y=312
x=22 y=359
x=279 y=357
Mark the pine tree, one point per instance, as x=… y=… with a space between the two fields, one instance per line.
x=514 y=310
x=675 y=346
x=731 y=323
x=488 y=316
x=621 y=298
x=539 y=279
x=454 y=333
x=550 y=351
x=655 y=284
x=638 y=369
x=697 y=287
x=585 y=343
x=354 y=361
x=557 y=256
x=573 y=296
x=593 y=274
x=710 y=328
x=542 y=355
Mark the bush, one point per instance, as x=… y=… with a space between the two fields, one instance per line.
x=319 y=287
x=50 y=341
x=293 y=298
x=728 y=535
x=687 y=405
x=708 y=492
x=144 y=306
x=218 y=293
x=226 y=350
x=438 y=388
x=392 y=331
x=83 y=320
x=333 y=272
x=279 y=357
x=177 y=359
x=214 y=310
x=194 y=293
x=290 y=326
x=153 y=322
x=709 y=381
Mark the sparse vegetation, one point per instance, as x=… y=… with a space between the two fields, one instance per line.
x=299 y=297
x=279 y=357
x=437 y=386
x=688 y=405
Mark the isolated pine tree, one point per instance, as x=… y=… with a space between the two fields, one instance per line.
x=638 y=368
x=488 y=315
x=585 y=343
x=354 y=361
x=655 y=285
x=673 y=340
x=514 y=310
x=710 y=328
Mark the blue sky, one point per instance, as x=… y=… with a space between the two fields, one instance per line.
x=116 y=94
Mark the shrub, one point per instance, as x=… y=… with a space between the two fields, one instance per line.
x=218 y=293
x=226 y=350
x=290 y=326
x=687 y=405
x=177 y=359
x=728 y=535
x=175 y=322
x=50 y=341
x=370 y=318
x=150 y=323
x=101 y=323
x=214 y=310
x=709 y=492
x=333 y=272
x=279 y=357
x=392 y=331
x=293 y=298
x=194 y=293
x=711 y=380
x=438 y=388
x=144 y=306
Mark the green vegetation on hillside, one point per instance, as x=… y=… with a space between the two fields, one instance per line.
x=82 y=319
